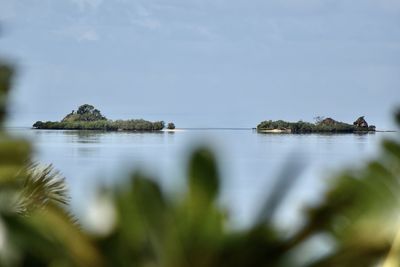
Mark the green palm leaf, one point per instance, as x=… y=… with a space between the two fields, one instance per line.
x=42 y=185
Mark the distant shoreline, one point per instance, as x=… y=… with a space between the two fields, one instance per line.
x=184 y=129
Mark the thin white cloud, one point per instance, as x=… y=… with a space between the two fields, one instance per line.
x=80 y=33
x=84 y=4
x=303 y=4
x=88 y=35
x=148 y=23
x=142 y=11
x=142 y=16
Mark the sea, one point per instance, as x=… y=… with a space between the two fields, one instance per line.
x=251 y=164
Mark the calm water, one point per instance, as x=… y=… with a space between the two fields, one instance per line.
x=249 y=162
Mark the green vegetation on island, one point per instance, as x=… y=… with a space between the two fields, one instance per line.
x=321 y=125
x=89 y=118
x=171 y=126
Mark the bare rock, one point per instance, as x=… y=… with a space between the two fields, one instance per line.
x=361 y=122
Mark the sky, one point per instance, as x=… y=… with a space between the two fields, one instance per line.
x=204 y=63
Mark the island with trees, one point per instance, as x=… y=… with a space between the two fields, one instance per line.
x=321 y=125
x=87 y=117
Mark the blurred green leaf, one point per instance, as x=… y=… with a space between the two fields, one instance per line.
x=6 y=73
x=203 y=175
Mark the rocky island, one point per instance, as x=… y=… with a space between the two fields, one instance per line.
x=321 y=125
x=87 y=117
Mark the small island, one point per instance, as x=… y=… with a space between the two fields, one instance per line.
x=321 y=125
x=87 y=117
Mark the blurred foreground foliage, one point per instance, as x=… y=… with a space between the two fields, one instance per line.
x=139 y=225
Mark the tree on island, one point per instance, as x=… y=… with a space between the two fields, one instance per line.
x=171 y=126
x=318 y=119
x=85 y=112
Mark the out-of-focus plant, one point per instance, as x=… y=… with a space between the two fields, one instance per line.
x=34 y=229
x=139 y=225
x=42 y=185
x=359 y=215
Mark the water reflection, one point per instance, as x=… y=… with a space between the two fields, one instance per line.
x=250 y=161
x=362 y=139
x=84 y=137
x=87 y=151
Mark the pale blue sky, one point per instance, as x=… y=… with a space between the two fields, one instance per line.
x=204 y=63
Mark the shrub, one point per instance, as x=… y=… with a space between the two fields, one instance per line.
x=104 y=125
x=171 y=126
